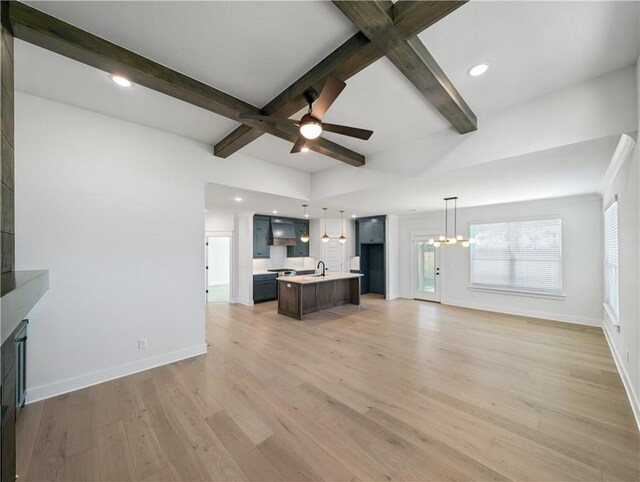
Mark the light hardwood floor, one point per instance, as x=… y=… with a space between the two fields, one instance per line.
x=400 y=390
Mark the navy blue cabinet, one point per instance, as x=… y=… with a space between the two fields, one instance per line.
x=264 y=287
x=300 y=250
x=371 y=231
x=261 y=234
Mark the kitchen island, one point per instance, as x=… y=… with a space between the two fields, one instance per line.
x=300 y=295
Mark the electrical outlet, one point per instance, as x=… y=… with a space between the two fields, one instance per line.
x=142 y=343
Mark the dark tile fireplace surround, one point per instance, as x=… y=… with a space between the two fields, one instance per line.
x=19 y=291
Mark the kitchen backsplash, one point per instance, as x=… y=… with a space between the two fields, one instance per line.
x=279 y=259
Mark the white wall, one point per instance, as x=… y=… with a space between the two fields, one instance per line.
x=218 y=222
x=115 y=211
x=582 y=254
x=242 y=260
x=624 y=340
x=392 y=257
x=116 y=214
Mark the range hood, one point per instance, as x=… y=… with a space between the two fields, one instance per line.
x=282 y=232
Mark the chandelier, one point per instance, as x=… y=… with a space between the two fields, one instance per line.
x=457 y=238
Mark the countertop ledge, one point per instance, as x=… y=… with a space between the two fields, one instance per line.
x=21 y=290
x=310 y=279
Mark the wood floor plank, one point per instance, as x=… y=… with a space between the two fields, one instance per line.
x=390 y=390
x=173 y=443
x=27 y=430
x=50 y=449
x=115 y=459
x=83 y=466
x=292 y=467
x=253 y=462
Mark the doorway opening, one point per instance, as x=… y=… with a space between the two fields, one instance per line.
x=218 y=269
x=426 y=269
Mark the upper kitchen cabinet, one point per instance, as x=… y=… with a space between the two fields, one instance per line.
x=371 y=231
x=261 y=233
x=300 y=250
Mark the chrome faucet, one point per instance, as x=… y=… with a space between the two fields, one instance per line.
x=323 y=267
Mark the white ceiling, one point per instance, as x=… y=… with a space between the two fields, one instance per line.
x=565 y=171
x=221 y=199
x=539 y=175
x=255 y=49
x=252 y=50
x=532 y=47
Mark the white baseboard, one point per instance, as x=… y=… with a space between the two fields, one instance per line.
x=241 y=301
x=71 y=384
x=626 y=381
x=578 y=320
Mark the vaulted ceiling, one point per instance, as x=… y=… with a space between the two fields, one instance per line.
x=253 y=50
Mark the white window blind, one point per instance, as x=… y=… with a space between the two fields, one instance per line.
x=611 y=258
x=523 y=256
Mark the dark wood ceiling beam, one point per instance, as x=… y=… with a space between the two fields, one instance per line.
x=48 y=32
x=357 y=53
x=411 y=57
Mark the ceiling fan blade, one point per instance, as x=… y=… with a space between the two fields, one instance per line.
x=347 y=131
x=329 y=94
x=299 y=144
x=268 y=118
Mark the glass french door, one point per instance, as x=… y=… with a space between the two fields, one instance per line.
x=426 y=261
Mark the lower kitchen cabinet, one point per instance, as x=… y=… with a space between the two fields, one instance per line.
x=264 y=287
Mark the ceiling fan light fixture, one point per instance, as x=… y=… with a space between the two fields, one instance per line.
x=310 y=127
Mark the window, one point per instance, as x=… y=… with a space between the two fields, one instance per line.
x=612 y=298
x=522 y=256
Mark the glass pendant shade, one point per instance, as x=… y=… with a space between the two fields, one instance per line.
x=342 y=238
x=325 y=236
x=456 y=238
x=304 y=236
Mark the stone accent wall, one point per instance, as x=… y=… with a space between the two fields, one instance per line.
x=7 y=220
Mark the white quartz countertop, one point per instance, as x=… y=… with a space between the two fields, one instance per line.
x=310 y=279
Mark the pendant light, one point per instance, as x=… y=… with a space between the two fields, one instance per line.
x=456 y=238
x=304 y=237
x=342 y=238
x=325 y=236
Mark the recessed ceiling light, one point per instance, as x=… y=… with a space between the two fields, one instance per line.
x=304 y=149
x=478 y=70
x=121 y=81
x=238 y=199
x=275 y=211
x=353 y=216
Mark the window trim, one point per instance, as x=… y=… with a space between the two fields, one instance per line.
x=611 y=313
x=531 y=293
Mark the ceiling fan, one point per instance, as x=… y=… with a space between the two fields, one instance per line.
x=311 y=125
